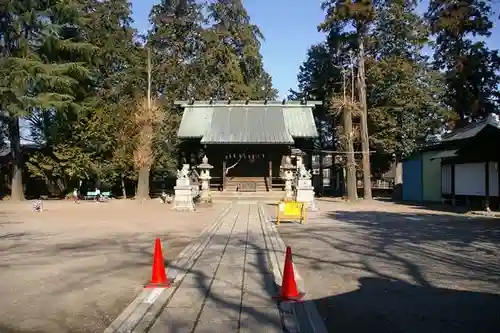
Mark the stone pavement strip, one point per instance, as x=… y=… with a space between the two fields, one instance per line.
x=223 y=282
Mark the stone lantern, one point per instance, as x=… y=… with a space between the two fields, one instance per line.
x=205 y=177
x=288 y=176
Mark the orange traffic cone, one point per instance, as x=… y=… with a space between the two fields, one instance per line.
x=289 y=291
x=159 y=277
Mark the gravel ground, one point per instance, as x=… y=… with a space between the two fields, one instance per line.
x=74 y=268
x=382 y=267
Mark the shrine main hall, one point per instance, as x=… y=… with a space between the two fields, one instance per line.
x=246 y=141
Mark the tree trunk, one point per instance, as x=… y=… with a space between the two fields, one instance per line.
x=46 y=128
x=124 y=190
x=352 y=194
x=17 y=189
x=365 y=143
x=143 y=184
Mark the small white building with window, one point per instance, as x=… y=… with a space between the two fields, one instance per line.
x=470 y=164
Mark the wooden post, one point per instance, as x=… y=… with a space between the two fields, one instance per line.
x=270 y=182
x=224 y=175
x=487 y=186
x=498 y=181
x=453 y=198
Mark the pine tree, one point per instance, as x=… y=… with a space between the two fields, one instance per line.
x=177 y=71
x=324 y=76
x=232 y=53
x=320 y=78
x=41 y=66
x=120 y=81
x=472 y=70
x=175 y=43
x=404 y=93
x=82 y=144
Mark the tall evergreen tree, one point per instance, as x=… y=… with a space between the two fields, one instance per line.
x=43 y=61
x=358 y=15
x=320 y=78
x=82 y=145
x=175 y=43
x=232 y=53
x=325 y=76
x=120 y=81
x=472 y=70
x=177 y=69
x=404 y=93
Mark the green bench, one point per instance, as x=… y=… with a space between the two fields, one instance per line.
x=92 y=194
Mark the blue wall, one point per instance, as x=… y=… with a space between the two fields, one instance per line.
x=412 y=179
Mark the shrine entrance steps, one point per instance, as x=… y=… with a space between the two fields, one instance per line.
x=267 y=197
x=247 y=184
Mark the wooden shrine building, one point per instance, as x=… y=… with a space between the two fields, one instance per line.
x=245 y=141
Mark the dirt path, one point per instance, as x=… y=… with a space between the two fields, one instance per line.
x=74 y=268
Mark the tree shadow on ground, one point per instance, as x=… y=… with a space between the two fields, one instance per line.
x=123 y=253
x=389 y=227
x=261 y=290
x=432 y=206
x=105 y=272
x=381 y=305
x=403 y=263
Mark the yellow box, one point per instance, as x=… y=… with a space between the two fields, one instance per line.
x=291 y=210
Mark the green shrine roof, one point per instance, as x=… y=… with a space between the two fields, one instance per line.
x=247 y=122
x=241 y=124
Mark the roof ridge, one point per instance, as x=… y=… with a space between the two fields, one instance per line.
x=466 y=128
x=200 y=122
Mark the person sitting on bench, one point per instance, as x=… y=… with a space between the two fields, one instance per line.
x=97 y=195
x=75 y=196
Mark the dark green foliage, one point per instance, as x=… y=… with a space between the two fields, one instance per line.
x=320 y=78
x=174 y=39
x=231 y=51
x=84 y=141
x=405 y=96
x=471 y=69
x=356 y=15
x=43 y=65
x=76 y=70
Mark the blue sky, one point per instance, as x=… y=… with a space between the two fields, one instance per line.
x=289 y=27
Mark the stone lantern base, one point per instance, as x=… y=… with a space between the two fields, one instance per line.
x=183 y=199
